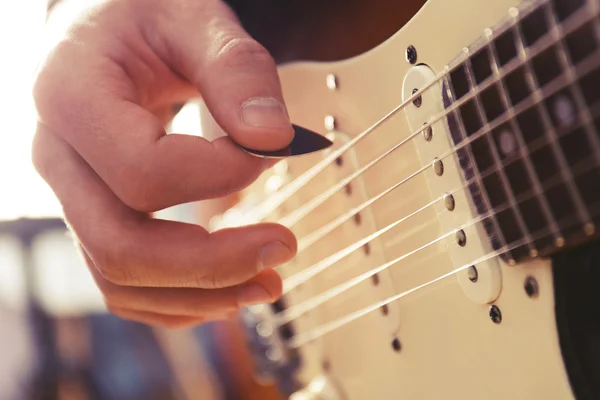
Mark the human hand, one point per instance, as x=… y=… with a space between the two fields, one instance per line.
x=100 y=144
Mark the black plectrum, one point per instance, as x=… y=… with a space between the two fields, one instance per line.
x=305 y=141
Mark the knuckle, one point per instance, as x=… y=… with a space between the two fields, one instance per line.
x=240 y=52
x=44 y=87
x=137 y=190
x=216 y=278
x=138 y=182
x=111 y=265
x=52 y=89
x=112 y=273
x=40 y=158
x=208 y=280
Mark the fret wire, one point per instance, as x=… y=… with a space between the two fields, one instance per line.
x=463 y=136
x=314 y=333
x=522 y=146
x=302 y=307
x=262 y=210
x=266 y=207
x=497 y=161
x=596 y=24
x=547 y=122
x=567 y=66
x=321 y=265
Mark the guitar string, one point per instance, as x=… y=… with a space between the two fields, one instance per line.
x=295 y=216
x=315 y=333
x=261 y=211
x=308 y=240
x=311 y=303
x=553 y=87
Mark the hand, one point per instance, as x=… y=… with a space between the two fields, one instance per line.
x=100 y=144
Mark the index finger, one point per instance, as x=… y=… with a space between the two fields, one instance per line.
x=95 y=108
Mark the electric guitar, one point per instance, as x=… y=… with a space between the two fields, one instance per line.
x=448 y=237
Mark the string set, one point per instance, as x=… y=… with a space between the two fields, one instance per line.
x=272 y=203
x=313 y=334
x=268 y=206
x=299 y=309
x=301 y=277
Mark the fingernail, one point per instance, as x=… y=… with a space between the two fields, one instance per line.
x=265 y=112
x=274 y=254
x=253 y=294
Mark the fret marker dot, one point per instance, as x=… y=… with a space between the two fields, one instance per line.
x=508 y=143
x=564 y=110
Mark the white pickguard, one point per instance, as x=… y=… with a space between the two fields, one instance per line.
x=449 y=346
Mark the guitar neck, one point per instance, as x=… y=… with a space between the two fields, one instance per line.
x=526 y=114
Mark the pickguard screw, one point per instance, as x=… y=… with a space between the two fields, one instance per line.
x=438 y=167
x=331 y=82
x=411 y=54
x=348 y=189
x=472 y=273
x=495 y=314
x=531 y=287
x=396 y=345
x=449 y=202
x=384 y=309
x=419 y=100
x=428 y=133
x=461 y=238
x=375 y=279
x=329 y=122
x=367 y=250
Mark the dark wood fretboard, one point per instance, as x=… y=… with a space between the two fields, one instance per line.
x=529 y=95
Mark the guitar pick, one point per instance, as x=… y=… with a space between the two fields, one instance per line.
x=305 y=141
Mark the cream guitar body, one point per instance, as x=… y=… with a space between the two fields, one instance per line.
x=431 y=327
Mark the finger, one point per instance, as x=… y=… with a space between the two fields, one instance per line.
x=236 y=75
x=264 y=288
x=94 y=107
x=158 y=320
x=129 y=249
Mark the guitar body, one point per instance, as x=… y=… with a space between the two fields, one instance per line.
x=493 y=335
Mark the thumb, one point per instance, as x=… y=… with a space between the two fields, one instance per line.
x=235 y=74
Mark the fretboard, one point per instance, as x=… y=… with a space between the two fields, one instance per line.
x=529 y=109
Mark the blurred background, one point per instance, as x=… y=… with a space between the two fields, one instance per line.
x=56 y=339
